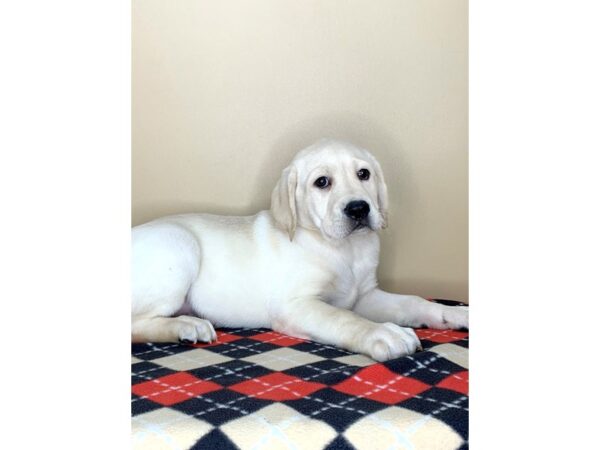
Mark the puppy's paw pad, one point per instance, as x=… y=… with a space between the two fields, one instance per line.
x=389 y=341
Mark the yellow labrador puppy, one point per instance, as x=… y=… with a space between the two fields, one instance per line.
x=306 y=267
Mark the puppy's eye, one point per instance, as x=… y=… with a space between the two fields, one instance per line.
x=363 y=174
x=322 y=182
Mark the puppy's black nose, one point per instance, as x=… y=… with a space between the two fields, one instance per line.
x=357 y=209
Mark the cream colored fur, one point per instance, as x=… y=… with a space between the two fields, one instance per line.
x=302 y=268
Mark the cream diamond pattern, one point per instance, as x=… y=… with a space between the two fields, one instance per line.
x=455 y=353
x=355 y=360
x=166 y=429
x=278 y=426
x=400 y=428
x=191 y=360
x=283 y=359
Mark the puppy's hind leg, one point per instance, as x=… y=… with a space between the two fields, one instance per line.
x=165 y=262
x=172 y=329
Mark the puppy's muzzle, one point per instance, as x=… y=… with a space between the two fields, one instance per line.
x=358 y=210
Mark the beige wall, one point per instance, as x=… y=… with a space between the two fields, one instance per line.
x=225 y=92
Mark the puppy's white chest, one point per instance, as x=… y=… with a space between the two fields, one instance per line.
x=345 y=294
x=352 y=279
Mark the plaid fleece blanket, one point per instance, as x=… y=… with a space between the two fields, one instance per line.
x=258 y=389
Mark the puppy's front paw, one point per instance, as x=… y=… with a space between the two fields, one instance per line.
x=389 y=341
x=456 y=317
x=193 y=329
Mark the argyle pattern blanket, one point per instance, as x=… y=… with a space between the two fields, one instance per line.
x=258 y=389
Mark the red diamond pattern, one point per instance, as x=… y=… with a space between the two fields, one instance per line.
x=277 y=386
x=441 y=336
x=378 y=383
x=275 y=338
x=174 y=388
x=458 y=382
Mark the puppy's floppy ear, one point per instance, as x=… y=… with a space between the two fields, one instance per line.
x=283 y=200
x=382 y=194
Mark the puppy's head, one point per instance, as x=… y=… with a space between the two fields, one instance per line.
x=333 y=187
